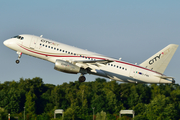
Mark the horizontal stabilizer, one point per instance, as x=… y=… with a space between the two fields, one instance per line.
x=165 y=77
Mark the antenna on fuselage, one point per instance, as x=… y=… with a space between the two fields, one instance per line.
x=41 y=35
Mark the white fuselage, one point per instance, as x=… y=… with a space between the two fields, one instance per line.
x=116 y=69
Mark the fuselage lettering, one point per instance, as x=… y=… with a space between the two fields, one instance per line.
x=52 y=43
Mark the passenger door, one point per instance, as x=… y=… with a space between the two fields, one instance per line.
x=33 y=43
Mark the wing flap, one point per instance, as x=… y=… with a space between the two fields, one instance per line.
x=92 y=64
x=95 y=61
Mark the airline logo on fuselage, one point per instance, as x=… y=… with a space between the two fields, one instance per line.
x=49 y=42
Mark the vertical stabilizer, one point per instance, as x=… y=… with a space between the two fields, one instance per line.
x=161 y=59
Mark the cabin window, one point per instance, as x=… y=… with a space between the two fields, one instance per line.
x=57 y=49
x=48 y=46
x=54 y=48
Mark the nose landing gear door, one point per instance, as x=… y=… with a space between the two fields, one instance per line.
x=33 y=43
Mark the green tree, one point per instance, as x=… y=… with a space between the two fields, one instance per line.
x=14 y=97
x=111 y=105
x=71 y=113
x=161 y=108
x=3 y=114
x=155 y=90
x=30 y=104
x=101 y=115
x=82 y=95
x=139 y=109
x=99 y=97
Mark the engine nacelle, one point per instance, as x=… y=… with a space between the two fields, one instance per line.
x=66 y=67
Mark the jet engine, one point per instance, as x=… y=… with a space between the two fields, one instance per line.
x=66 y=67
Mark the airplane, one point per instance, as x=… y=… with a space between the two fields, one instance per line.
x=74 y=60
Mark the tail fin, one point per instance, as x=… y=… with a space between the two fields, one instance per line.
x=161 y=59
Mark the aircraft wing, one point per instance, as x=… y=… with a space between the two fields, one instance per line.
x=89 y=63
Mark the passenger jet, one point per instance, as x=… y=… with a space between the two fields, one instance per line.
x=73 y=60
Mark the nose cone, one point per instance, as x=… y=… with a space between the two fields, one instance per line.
x=8 y=43
x=5 y=42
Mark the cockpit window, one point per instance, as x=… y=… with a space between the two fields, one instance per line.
x=15 y=36
x=19 y=37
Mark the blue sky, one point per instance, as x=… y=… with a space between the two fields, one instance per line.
x=131 y=30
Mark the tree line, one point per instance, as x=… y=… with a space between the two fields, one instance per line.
x=78 y=100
